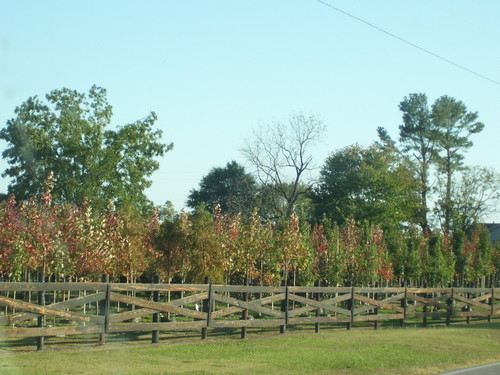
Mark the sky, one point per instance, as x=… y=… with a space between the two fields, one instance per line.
x=214 y=70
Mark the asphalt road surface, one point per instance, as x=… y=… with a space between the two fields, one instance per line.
x=489 y=369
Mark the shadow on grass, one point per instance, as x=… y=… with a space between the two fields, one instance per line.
x=82 y=342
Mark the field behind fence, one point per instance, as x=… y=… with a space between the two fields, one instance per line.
x=42 y=310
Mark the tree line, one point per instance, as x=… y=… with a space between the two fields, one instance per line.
x=70 y=242
x=406 y=209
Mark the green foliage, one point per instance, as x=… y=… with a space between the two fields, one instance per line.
x=68 y=135
x=417 y=136
x=206 y=257
x=170 y=242
x=331 y=260
x=66 y=166
x=475 y=193
x=231 y=188
x=409 y=254
x=439 y=260
x=78 y=243
x=438 y=137
x=368 y=184
x=454 y=126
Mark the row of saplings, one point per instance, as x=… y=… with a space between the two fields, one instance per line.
x=66 y=242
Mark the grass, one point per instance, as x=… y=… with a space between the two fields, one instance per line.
x=429 y=350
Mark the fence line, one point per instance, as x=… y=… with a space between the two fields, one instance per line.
x=107 y=308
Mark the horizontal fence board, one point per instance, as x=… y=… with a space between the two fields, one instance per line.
x=319 y=289
x=50 y=331
x=379 y=290
x=472 y=313
x=376 y=317
x=246 y=323
x=428 y=290
x=158 y=287
x=51 y=287
x=430 y=314
x=319 y=319
x=247 y=289
x=472 y=290
x=167 y=326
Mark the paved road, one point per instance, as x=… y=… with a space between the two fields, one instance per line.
x=490 y=369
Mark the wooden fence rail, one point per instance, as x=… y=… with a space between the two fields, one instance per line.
x=51 y=309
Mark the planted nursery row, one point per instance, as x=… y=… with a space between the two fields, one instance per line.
x=73 y=243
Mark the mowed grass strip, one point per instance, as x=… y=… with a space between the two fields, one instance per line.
x=362 y=351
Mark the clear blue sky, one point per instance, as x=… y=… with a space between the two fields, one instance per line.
x=213 y=70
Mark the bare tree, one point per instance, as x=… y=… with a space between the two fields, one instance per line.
x=280 y=155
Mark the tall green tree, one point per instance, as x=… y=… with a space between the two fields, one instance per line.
x=454 y=126
x=417 y=137
x=367 y=184
x=231 y=188
x=68 y=134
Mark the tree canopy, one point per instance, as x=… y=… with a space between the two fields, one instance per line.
x=436 y=138
x=367 y=184
x=68 y=135
x=231 y=188
x=417 y=136
x=454 y=127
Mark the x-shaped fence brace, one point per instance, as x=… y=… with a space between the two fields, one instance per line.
x=118 y=307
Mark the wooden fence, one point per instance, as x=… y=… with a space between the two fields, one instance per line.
x=51 y=309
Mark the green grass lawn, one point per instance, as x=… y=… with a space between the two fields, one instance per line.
x=429 y=350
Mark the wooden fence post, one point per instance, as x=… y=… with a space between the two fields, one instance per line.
x=244 y=313
x=351 y=303
x=468 y=308
x=375 y=310
x=207 y=307
x=40 y=341
x=155 y=334
x=424 y=319
x=492 y=304
x=404 y=302
x=317 y=297
x=451 y=311
x=104 y=310
x=284 y=307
